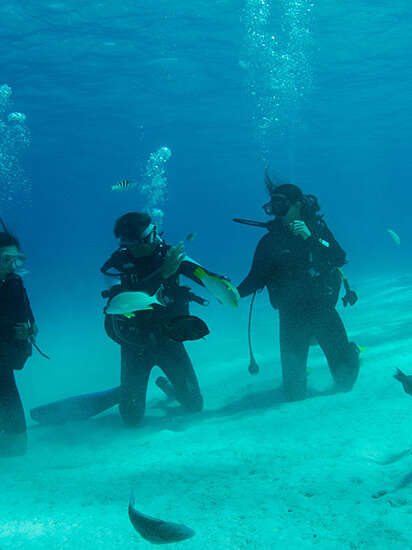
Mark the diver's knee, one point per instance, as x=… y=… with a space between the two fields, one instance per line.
x=13 y=444
x=131 y=415
x=346 y=372
x=194 y=404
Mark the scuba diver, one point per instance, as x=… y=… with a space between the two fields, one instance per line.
x=147 y=267
x=298 y=260
x=17 y=332
x=147 y=313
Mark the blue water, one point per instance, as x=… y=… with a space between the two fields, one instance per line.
x=105 y=84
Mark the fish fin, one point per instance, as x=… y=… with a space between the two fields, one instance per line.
x=399 y=375
x=159 y=298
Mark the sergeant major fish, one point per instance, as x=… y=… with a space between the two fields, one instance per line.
x=124 y=185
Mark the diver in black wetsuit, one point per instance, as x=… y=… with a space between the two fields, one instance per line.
x=144 y=262
x=298 y=261
x=17 y=328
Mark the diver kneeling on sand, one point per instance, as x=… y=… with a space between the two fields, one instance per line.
x=17 y=332
x=298 y=260
x=147 y=313
x=152 y=333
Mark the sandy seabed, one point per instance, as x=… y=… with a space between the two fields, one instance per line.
x=251 y=471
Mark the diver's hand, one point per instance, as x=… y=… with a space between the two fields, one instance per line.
x=299 y=228
x=34 y=331
x=22 y=331
x=173 y=259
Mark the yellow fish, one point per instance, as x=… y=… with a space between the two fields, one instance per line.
x=222 y=290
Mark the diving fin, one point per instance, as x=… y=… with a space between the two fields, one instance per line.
x=77 y=408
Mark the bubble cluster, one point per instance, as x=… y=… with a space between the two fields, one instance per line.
x=14 y=139
x=276 y=59
x=155 y=183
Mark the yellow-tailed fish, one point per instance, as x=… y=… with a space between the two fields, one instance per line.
x=125 y=303
x=361 y=349
x=222 y=290
x=395 y=237
x=129 y=315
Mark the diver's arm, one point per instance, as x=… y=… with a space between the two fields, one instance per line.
x=34 y=329
x=189 y=266
x=31 y=318
x=26 y=326
x=329 y=247
x=255 y=280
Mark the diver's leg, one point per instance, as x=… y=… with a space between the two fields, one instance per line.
x=136 y=365
x=13 y=435
x=342 y=355
x=176 y=364
x=294 y=333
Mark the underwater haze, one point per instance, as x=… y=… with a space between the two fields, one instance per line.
x=191 y=102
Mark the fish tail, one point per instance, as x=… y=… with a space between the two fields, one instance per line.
x=199 y=273
x=399 y=375
x=159 y=298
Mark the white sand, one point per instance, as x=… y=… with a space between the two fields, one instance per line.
x=250 y=472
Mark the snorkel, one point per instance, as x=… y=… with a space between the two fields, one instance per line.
x=4 y=226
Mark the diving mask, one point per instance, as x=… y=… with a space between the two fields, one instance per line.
x=277 y=206
x=12 y=261
x=149 y=236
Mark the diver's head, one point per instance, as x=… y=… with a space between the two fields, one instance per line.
x=11 y=257
x=285 y=202
x=137 y=233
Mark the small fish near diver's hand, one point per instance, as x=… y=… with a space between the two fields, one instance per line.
x=191 y=236
x=405 y=380
x=156 y=530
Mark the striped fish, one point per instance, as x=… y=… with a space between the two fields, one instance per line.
x=124 y=185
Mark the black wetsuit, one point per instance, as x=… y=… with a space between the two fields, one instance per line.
x=14 y=308
x=303 y=283
x=143 y=339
